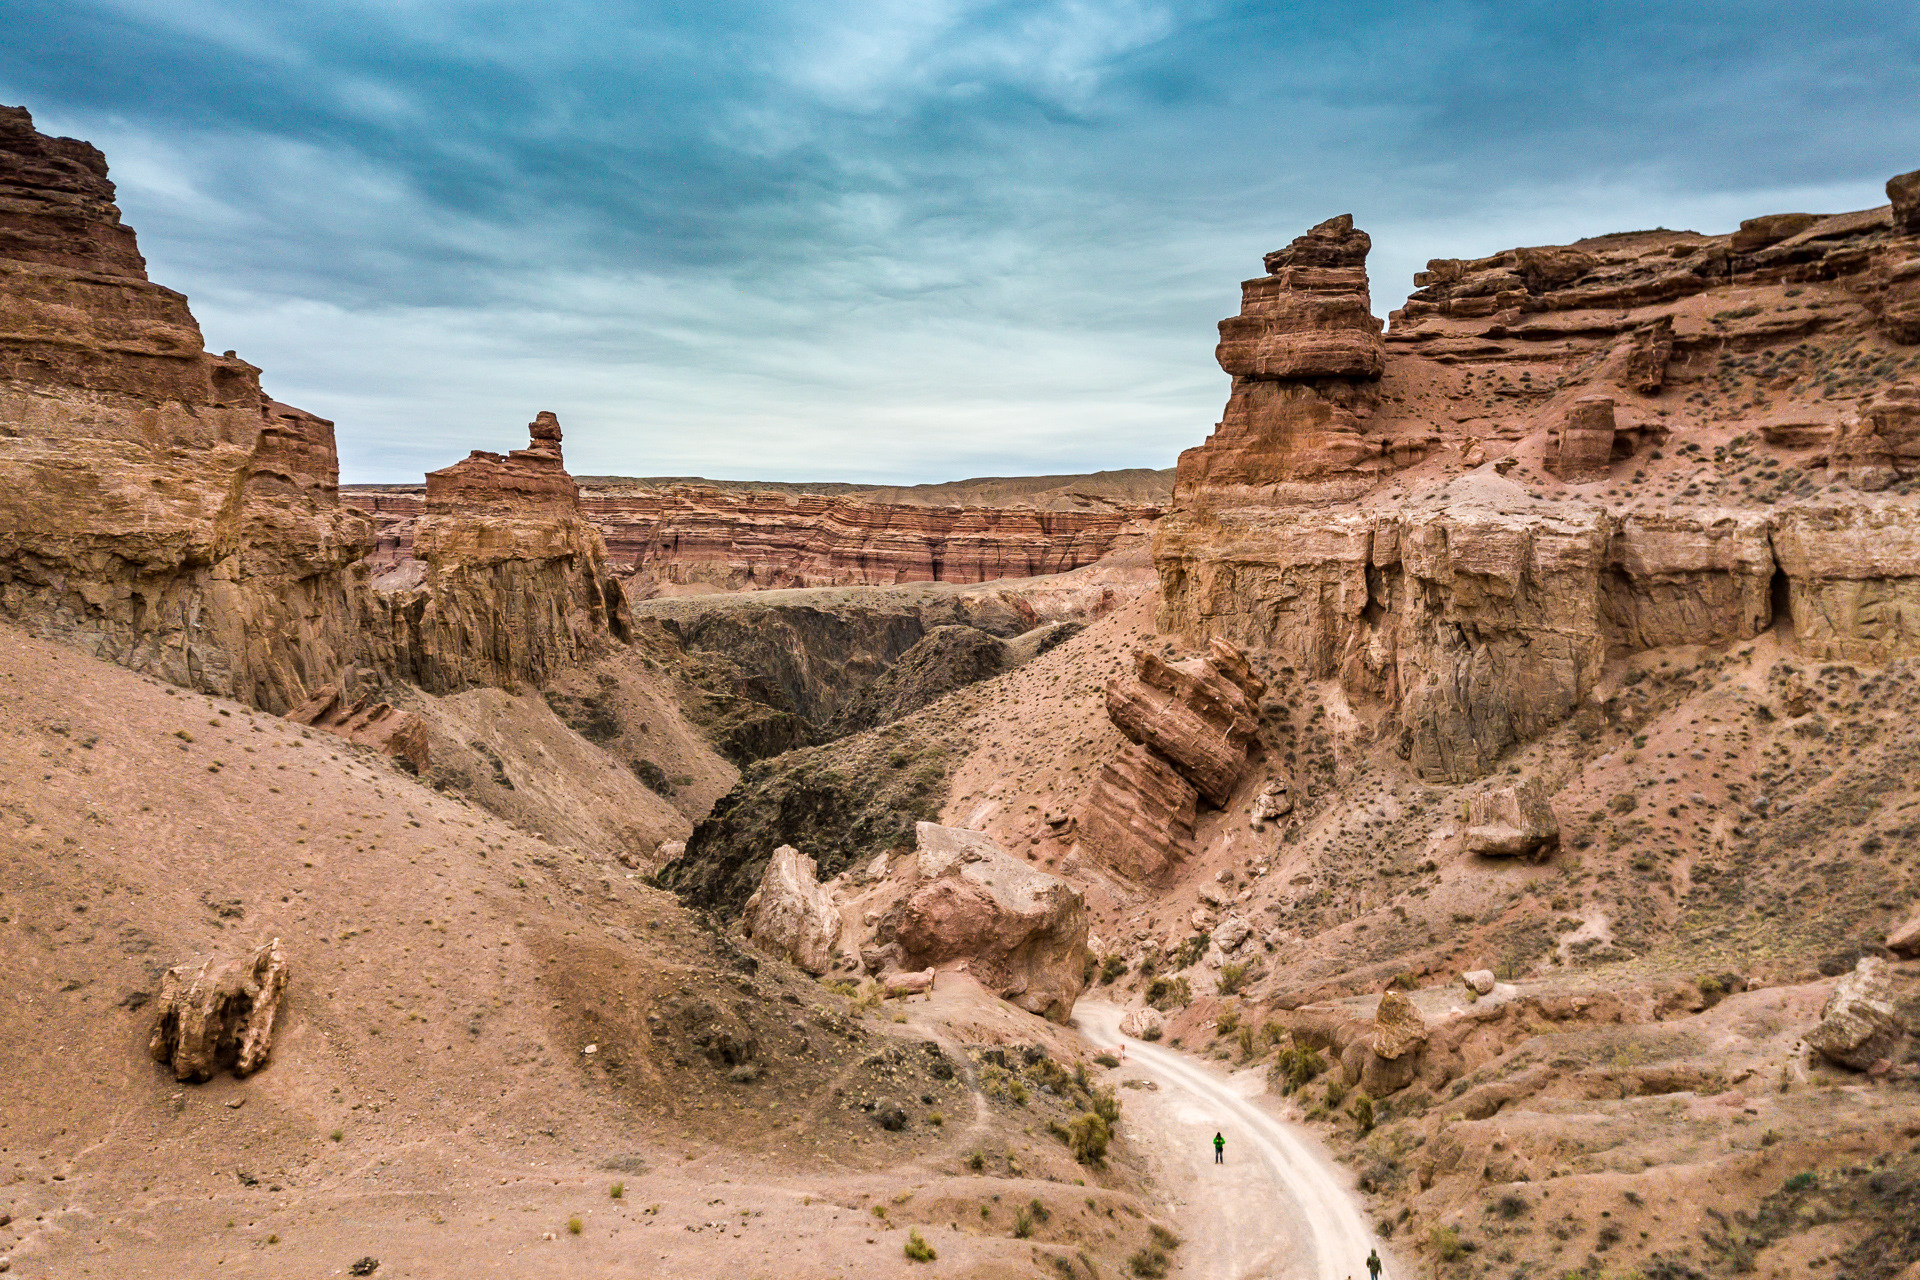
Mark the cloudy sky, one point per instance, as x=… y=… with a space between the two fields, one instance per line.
x=892 y=240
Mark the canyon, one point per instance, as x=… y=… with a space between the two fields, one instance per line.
x=1492 y=750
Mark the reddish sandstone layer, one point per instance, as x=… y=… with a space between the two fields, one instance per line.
x=732 y=539
x=1572 y=452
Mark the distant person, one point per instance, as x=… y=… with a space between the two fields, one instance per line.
x=1373 y=1264
x=1219 y=1149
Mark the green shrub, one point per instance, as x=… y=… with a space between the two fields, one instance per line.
x=1088 y=1137
x=1228 y=1019
x=1164 y=1238
x=917 y=1247
x=617 y=1190
x=1336 y=1094
x=575 y=1226
x=1362 y=1112
x=1232 y=977
x=1149 y=1263
x=1023 y=1223
x=1800 y=1182
x=1111 y=968
x=1445 y=1243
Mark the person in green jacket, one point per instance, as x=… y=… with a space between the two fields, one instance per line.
x=1219 y=1149
x=1373 y=1264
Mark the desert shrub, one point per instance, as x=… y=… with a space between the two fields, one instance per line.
x=1149 y=1263
x=1105 y=1103
x=1509 y=1206
x=917 y=1249
x=1107 y=1060
x=1039 y=1211
x=1163 y=1238
x=1445 y=1243
x=575 y=1226
x=977 y=1161
x=1152 y=1033
x=617 y=1190
x=1228 y=1019
x=1164 y=993
x=1111 y=968
x=1023 y=1223
x=1088 y=1137
x=1232 y=977
x=1336 y=1094
x=1362 y=1112
x=1294 y=1066
x=1800 y=1182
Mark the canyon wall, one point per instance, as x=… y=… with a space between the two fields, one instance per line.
x=158 y=510
x=731 y=539
x=1554 y=457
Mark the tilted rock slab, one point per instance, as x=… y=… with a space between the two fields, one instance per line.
x=1202 y=715
x=791 y=914
x=1138 y=816
x=1904 y=941
x=1858 y=1024
x=1021 y=932
x=218 y=1015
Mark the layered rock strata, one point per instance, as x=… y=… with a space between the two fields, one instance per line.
x=1540 y=474
x=507 y=582
x=698 y=536
x=157 y=509
x=369 y=722
x=1195 y=726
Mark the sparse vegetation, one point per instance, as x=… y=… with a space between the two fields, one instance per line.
x=917 y=1249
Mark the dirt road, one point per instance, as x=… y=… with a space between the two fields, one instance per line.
x=1278 y=1209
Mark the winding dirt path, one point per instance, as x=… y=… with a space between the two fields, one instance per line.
x=1278 y=1209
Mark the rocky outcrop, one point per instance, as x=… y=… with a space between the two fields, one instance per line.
x=1429 y=554
x=1858 y=1025
x=371 y=723
x=511 y=584
x=1138 y=816
x=218 y=1015
x=1196 y=728
x=1511 y=822
x=790 y=915
x=1142 y=1024
x=1388 y=1058
x=1903 y=190
x=157 y=509
x=1020 y=932
x=1201 y=715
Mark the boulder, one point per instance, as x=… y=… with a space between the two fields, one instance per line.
x=1511 y=821
x=1772 y=228
x=1021 y=932
x=400 y=734
x=1391 y=1057
x=909 y=984
x=1230 y=933
x=1201 y=715
x=1582 y=452
x=1478 y=981
x=218 y=1015
x=1141 y=1024
x=1858 y=1024
x=1274 y=801
x=791 y=915
x=1904 y=941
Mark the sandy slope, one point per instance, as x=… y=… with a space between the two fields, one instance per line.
x=1278 y=1209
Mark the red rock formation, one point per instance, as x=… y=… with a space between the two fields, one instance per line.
x=156 y=509
x=1196 y=714
x=371 y=723
x=1304 y=353
x=510 y=583
x=1138 y=817
x=1415 y=539
x=758 y=539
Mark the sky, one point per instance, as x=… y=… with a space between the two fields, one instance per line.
x=892 y=241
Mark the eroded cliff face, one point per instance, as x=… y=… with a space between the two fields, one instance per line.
x=668 y=538
x=156 y=508
x=507 y=582
x=1555 y=457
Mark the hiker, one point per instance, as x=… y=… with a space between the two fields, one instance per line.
x=1219 y=1149
x=1373 y=1264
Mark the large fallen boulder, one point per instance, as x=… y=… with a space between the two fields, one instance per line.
x=791 y=915
x=1388 y=1059
x=1511 y=822
x=1858 y=1025
x=1021 y=933
x=218 y=1015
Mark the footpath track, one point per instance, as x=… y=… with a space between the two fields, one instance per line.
x=1278 y=1209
